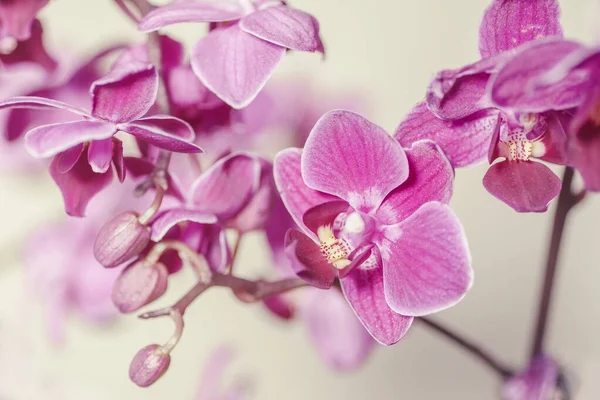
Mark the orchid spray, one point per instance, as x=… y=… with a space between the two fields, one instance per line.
x=357 y=219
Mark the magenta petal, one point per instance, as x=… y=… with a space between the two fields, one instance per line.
x=339 y=337
x=519 y=84
x=296 y=196
x=284 y=26
x=164 y=131
x=426 y=262
x=307 y=260
x=118 y=159
x=323 y=214
x=126 y=93
x=79 y=185
x=431 y=179
x=235 y=65
x=40 y=103
x=348 y=156
x=363 y=289
x=16 y=17
x=510 y=23
x=526 y=186
x=465 y=141
x=456 y=94
x=584 y=154
x=281 y=307
x=190 y=12
x=227 y=187
x=168 y=219
x=100 y=154
x=68 y=158
x=49 y=140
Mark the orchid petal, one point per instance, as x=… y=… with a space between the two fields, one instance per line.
x=49 y=140
x=235 y=65
x=307 y=261
x=165 y=132
x=509 y=24
x=168 y=219
x=363 y=289
x=431 y=179
x=100 y=154
x=118 y=159
x=348 y=156
x=339 y=337
x=68 y=158
x=584 y=154
x=526 y=186
x=30 y=50
x=296 y=196
x=426 y=262
x=16 y=17
x=190 y=12
x=519 y=84
x=323 y=214
x=79 y=185
x=465 y=142
x=284 y=26
x=126 y=93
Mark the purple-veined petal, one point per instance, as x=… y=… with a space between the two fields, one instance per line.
x=40 y=103
x=79 y=185
x=465 y=141
x=100 y=154
x=49 y=140
x=16 y=17
x=348 y=156
x=68 y=158
x=285 y=26
x=164 y=131
x=235 y=65
x=307 y=261
x=508 y=24
x=426 y=261
x=519 y=85
x=227 y=187
x=459 y=93
x=168 y=219
x=526 y=186
x=118 y=159
x=126 y=93
x=363 y=289
x=431 y=179
x=323 y=214
x=189 y=11
x=296 y=196
x=339 y=337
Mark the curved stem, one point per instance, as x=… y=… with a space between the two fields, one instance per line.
x=154 y=207
x=503 y=371
x=566 y=201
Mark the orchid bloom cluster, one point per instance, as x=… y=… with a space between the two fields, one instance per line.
x=356 y=219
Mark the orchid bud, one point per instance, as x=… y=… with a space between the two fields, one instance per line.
x=121 y=239
x=138 y=285
x=148 y=365
x=280 y=307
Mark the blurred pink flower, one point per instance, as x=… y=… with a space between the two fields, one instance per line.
x=211 y=382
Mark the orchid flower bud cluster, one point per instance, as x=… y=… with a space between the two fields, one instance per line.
x=356 y=217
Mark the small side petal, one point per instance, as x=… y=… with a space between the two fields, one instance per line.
x=168 y=219
x=100 y=154
x=49 y=140
x=426 y=262
x=510 y=23
x=525 y=186
x=339 y=337
x=79 y=185
x=235 y=65
x=350 y=157
x=190 y=12
x=431 y=179
x=126 y=93
x=284 y=26
x=363 y=289
x=307 y=261
x=165 y=132
x=465 y=141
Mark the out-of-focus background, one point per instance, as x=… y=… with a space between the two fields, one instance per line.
x=387 y=50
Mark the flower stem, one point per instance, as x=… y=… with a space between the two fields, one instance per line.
x=473 y=349
x=566 y=201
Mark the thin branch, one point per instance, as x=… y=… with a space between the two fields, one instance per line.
x=566 y=201
x=473 y=349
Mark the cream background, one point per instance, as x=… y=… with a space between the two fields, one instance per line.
x=392 y=48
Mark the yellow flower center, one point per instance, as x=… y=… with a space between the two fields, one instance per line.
x=332 y=248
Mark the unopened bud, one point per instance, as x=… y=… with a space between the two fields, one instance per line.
x=138 y=285
x=148 y=365
x=121 y=239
